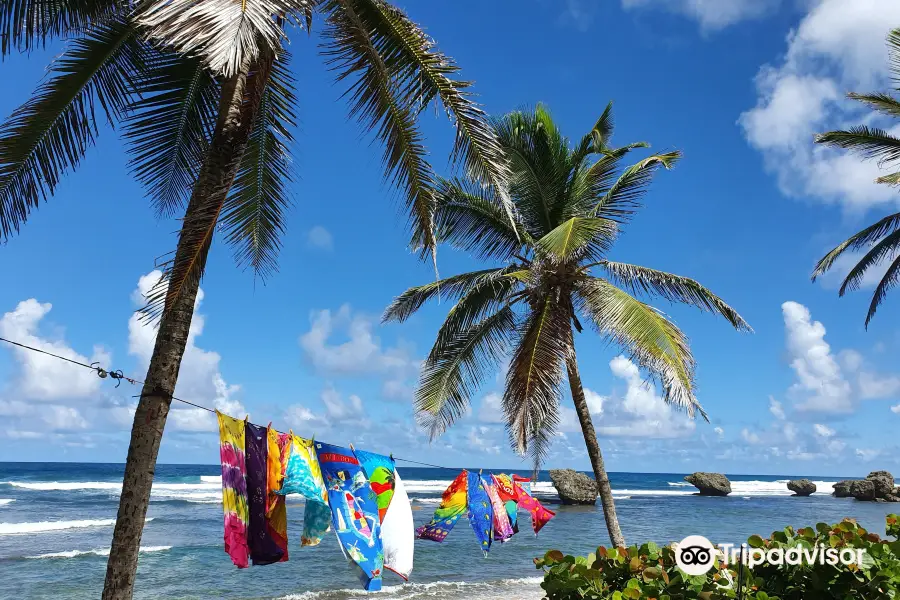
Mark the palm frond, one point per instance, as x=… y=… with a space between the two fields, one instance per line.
x=423 y=73
x=884 y=286
x=892 y=179
x=868 y=142
x=378 y=104
x=29 y=24
x=880 y=101
x=532 y=394
x=623 y=198
x=224 y=33
x=674 y=288
x=253 y=216
x=468 y=217
x=572 y=236
x=454 y=372
x=597 y=139
x=49 y=134
x=858 y=241
x=888 y=246
x=407 y=303
x=239 y=104
x=653 y=341
x=893 y=41
x=169 y=127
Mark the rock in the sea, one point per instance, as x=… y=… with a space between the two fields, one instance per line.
x=801 y=487
x=883 y=482
x=842 y=489
x=574 y=487
x=710 y=484
x=863 y=489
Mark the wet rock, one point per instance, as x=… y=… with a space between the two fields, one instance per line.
x=842 y=489
x=574 y=487
x=710 y=484
x=863 y=489
x=801 y=487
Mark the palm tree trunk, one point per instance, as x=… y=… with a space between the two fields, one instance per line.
x=593 y=449
x=236 y=114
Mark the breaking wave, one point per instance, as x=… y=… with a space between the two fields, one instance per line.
x=97 y=552
x=45 y=526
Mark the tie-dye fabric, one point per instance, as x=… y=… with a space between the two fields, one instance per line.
x=540 y=516
x=394 y=511
x=451 y=508
x=502 y=528
x=304 y=477
x=510 y=497
x=263 y=548
x=481 y=513
x=354 y=511
x=276 y=508
x=234 y=489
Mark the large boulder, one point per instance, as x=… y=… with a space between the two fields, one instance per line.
x=842 y=489
x=883 y=482
x=863 y=489
x=574 y=487
x=710 y=484
x=801 y=487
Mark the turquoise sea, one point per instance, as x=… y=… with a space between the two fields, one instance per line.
x=56 y=522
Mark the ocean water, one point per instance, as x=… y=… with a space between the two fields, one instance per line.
x=56 y=522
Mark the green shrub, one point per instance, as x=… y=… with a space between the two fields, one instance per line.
x=649 y=571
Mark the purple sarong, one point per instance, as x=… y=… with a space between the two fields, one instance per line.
x=264 y=550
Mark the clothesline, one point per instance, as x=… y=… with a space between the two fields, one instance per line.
x=119 y=376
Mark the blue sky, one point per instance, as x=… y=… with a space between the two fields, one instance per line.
x=739 y=86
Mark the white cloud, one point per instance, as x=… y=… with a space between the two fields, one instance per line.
x=749 y=436
x=481 y=440
x=896 y=409
x=820 y=386
x=360 y=354
x=719 y=432
x=640 y=412
x=491 y=410
x=320 y=238
x=63 y=418
x=872 y=386
x=776 y=409
x=867 y=454
x=41 y=377
x=710 y=14
x=340 y=410
x=839 y=46
x=823 y=430
x=199 y=378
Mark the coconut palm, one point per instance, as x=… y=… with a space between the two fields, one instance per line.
x=554 y=274
x=882 y=239
x=203 y=93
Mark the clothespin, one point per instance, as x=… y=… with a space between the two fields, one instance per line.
x=247 y=419
x=352 y=448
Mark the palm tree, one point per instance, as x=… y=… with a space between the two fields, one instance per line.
x=554 y=275
x=204 y=95
x=882 y=239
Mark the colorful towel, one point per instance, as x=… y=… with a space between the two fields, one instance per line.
x=354 y=511
x=481 y=514
x=502 y=527
x=540 y=516
x=276 y=509
x=234 y=489
x=303 y=476
x=451 y=508
x=510 y=497
x=394 y=511
x=263 y=548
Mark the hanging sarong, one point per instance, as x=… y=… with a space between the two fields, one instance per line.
x=502 y=528
x=448 y=512
x=540 y=516
x=304 y=477
x=234 y=489
x=510 y=497
x=481 y=514
x=354 y=511
x=263 y=548
x=394 y=511
x=276 y=508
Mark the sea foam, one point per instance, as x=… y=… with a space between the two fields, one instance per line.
x=97 y=552
x=45 y=526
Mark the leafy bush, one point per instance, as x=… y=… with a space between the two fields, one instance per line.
x=649 y=571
